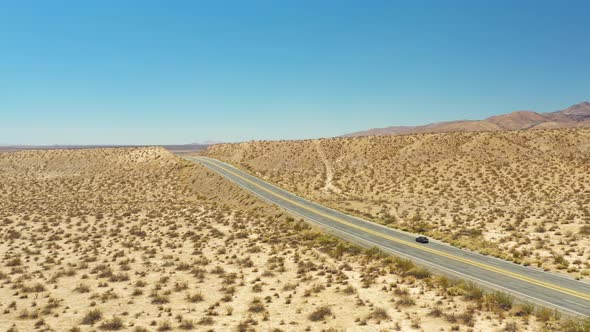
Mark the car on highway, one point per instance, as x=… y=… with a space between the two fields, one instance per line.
x=422 y=239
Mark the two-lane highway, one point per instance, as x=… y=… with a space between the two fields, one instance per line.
x=551 y=290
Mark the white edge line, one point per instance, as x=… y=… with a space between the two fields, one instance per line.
x=581 y=305
x=410 y=257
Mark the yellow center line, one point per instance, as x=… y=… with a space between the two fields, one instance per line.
x=410 y=244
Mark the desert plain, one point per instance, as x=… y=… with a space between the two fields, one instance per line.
x=137 y=239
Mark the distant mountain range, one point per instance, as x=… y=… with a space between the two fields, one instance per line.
x=576 y=116
x=180 y=148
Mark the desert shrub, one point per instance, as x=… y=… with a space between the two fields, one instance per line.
x=186 y=325
x=349 y=290
x=561 y=261
x=13 y=234
x=401 y=291
x=180 y=286
x=36 y=288
x=403 y=264
x=500 y=300
x=194 y=298
x=119 y=277
x=113 y=324
x=92 y=317
x=289 y=287
x=320 y=313
x=205 y=321
x=472 y=291
x=406 y=301
x=379 y=314
x=159 y=299
x=511 y=327
x=165 y=326
x=256 y=306
x=52 y=303
x=419 y=273
x=374 y=253
x=24 y=314
x=576 y=325
x=525 y=309
x=81 y=288
x=467 y=318
x=183 y=266
x=218 y=270
x=545 y=314
x=14 y=262
x=436 y=312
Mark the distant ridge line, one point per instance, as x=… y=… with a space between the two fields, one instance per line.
x=170 y=147
x=575 y=116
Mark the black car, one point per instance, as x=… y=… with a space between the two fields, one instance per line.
x=422 y=239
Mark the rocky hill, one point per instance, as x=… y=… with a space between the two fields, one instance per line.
x=576 y=116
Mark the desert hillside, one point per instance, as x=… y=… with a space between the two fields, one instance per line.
x=575 y=116
x=139 y=240
x=519 y=195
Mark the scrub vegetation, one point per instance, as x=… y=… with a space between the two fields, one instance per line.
x=523 y=196
x=140 y=240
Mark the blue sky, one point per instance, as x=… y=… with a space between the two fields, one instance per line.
x=161 y=72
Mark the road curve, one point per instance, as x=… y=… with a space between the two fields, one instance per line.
x=565 y=294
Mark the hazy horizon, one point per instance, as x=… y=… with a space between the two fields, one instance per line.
x=149 y=73
x=211 y=142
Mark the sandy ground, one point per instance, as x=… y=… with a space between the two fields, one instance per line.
x=519 y=195
x=137 y=239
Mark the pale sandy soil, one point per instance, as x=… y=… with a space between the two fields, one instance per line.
x=149 y=242
x=520 y=195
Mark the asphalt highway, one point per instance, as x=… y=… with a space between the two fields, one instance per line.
x=551 y=290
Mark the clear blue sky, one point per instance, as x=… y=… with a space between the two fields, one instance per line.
x=157 y=72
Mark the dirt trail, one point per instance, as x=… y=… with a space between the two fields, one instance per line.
x=329 y=186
